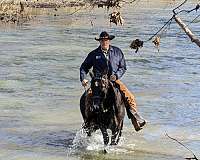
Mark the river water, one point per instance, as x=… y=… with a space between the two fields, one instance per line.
x=40 y=88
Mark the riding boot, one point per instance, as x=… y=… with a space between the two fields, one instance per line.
x=140 y=121
x=131 y=107
x=135 y=124
x=137 y=121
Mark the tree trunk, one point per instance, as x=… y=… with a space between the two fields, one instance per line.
x=187 y=31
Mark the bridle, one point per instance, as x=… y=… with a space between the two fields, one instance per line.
x=99 y=86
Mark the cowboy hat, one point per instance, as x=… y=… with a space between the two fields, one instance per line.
x=104 y=35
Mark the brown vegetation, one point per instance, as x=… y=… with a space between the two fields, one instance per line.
x=14 y=13
x=116 y=18
x=18 y=12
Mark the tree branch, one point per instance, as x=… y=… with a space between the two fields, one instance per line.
x=187 y=31
x=183 y=146
x=179 y=6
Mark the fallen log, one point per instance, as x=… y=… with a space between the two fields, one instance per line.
x=187 y=31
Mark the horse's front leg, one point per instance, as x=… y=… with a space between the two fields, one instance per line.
x=116 y=134
x=105 y=135
x=87 y=128
x=120 y=131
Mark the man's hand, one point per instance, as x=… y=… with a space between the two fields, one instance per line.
x=84 y=82
x=113 y=78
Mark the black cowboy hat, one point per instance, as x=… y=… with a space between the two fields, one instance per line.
x=104 y=35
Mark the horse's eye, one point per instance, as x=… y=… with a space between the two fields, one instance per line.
x=96 y=84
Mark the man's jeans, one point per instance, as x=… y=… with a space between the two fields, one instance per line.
x=128 y=95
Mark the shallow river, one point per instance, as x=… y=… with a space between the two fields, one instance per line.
x=40 y=88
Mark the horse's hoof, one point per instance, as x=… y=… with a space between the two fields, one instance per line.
x=113 y=144
x=89 y=134
x=104 y=151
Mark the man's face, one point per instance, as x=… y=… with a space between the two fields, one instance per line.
x=105 y=43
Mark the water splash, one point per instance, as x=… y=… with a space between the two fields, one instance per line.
x=79 y=142
x=82 y=144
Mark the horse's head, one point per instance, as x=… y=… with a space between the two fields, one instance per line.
x=99 y=86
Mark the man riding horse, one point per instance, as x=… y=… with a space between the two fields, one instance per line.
x=111 y=58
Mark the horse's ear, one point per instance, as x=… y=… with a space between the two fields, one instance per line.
x=91 y=74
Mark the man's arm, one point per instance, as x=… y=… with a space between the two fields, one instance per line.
x=122 y=66
x=86 y=65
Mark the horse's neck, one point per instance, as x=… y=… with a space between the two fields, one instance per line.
x=111 y=92
x=112 y=87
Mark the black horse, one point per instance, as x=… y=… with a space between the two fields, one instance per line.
x=103 y=107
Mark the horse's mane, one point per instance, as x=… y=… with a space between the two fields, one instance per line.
x=111 y=96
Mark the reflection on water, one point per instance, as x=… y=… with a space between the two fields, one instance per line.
x=40 y=88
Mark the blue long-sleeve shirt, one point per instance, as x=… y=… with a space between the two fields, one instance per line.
x=115 y=65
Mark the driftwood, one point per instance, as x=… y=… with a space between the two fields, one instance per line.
x=187 y=30
x=188 y=158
